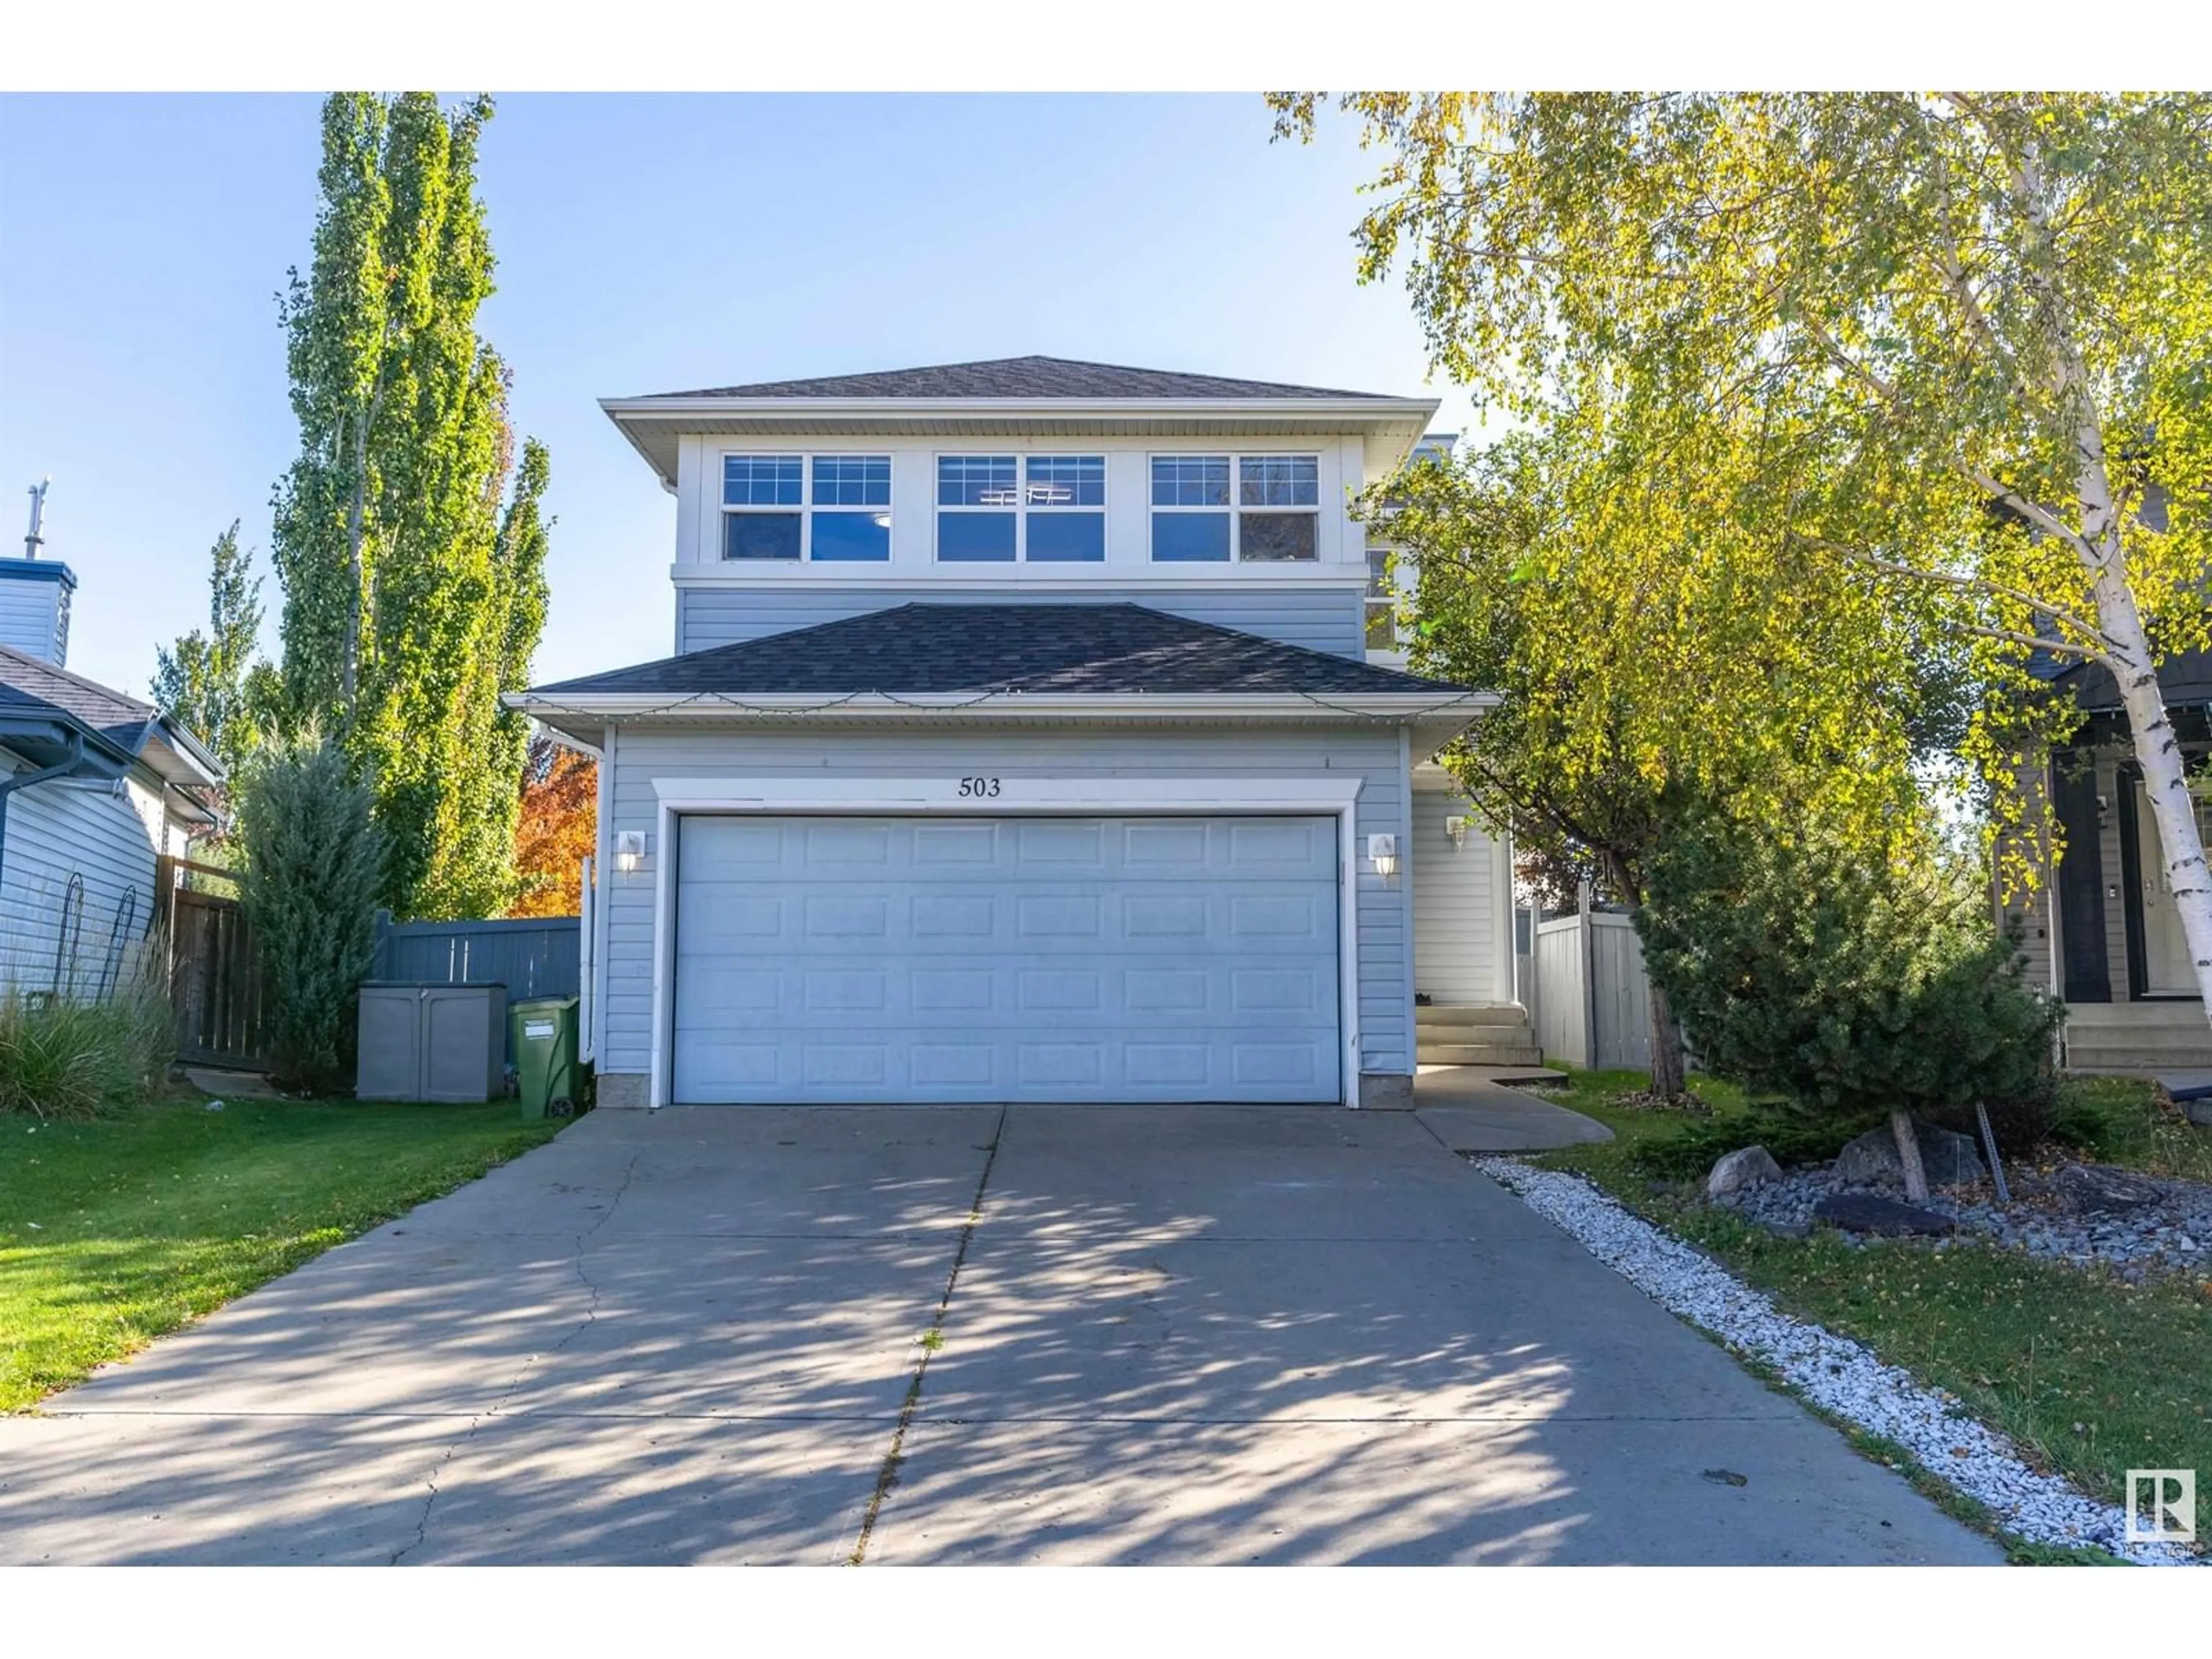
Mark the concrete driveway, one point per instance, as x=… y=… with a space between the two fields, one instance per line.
x=1214 y=1335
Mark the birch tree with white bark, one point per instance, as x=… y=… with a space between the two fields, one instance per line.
x=1977 y=326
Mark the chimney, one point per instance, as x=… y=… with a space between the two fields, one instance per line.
x=34 y=594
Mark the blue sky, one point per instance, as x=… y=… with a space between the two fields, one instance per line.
x=645 y=244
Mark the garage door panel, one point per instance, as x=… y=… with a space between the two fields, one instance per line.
x=1166 y=990
x=1163 y=915
x=1290 y=845
x=1059 y=843
x=955 y=990
x=1179 y=1066
x=1274 y=1062
x=1060 y=991
x=960 y=844
x=952 y=916
x=1068 y=960
x=847 y=846
x=744 y=852
x=1165 y=844
x=703 y=987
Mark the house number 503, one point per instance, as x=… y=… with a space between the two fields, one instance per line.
x=979 y=785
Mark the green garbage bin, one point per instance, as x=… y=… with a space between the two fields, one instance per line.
x=545 y=1056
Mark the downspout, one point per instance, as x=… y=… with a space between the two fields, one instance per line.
x=17 y=780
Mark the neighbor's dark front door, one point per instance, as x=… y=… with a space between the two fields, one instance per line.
x=2081 y=879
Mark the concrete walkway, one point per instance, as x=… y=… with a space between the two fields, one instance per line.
x=1471 y=1111
x=1211 y=1334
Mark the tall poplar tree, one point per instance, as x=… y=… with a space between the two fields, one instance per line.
x=202 y=678
x=1980 y=326
x=411 y=599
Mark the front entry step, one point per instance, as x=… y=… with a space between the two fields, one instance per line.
x=1474 y=1035
x=1444 y=1013
x=1479 y=1054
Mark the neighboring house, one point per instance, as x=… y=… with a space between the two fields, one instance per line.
x=2102 y=929
x=1021 y=744
x=93 y=786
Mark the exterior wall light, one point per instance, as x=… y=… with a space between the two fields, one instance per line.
x=1382 y=854
x=1455 y=827
x=629 y=850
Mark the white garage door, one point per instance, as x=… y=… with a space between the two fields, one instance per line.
x=1013 y=959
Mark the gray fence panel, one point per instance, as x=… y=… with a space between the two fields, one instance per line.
x=1623 y=994
x=532 y=955
x=1560 y=1024
x=1593 y=999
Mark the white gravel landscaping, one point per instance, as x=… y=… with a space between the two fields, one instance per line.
x=1833 y=1372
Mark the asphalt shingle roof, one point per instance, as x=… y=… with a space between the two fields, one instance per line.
x=945 y=649
x=1022 y=377
x=30 y=684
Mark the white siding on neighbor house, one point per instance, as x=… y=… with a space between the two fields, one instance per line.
x=55 y=830
x=1321 y=618
x=1375 y=754
x=1457 y=914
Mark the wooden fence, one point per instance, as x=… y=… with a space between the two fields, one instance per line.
x=215 y=988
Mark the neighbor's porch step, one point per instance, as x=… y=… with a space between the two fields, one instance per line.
x=1440 y=1013
x=2136 y=1059
x=2148 y=1041
x=1478 y=1053
x=1519 y=1033
x=2158 y=1011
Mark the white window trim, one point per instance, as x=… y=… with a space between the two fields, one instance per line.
x=806 y=507
x=1236 y=507
x=1021 y=507
x=941 y=796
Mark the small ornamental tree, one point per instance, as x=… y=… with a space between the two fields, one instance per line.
x=1854 y=985
x=314 y=859
x=1645 y=651
x=557 y=830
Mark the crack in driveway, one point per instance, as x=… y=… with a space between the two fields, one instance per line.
x=931 y=1341
x=522 y=1373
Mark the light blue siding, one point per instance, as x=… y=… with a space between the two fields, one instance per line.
x=1373 y=753
x=56 y=831
x=1321 y=618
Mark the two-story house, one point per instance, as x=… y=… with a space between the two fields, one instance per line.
x=1021 y=744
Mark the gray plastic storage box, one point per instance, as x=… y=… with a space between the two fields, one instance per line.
x=425 y=1041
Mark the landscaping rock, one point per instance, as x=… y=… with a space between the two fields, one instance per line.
x=1864 y=1212
x=1746 y=1167
x=2097 y=1189
x=1834 y=1373
x=1949 y=1159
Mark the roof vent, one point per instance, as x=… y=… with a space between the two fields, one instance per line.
x=34 y=594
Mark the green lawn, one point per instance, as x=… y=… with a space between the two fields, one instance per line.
x=2090 y=1376
x=116 y=1230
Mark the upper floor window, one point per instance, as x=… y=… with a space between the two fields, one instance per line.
x=999 y=508
x=1381 y=602
x=773 y=509
x=1272 y=514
